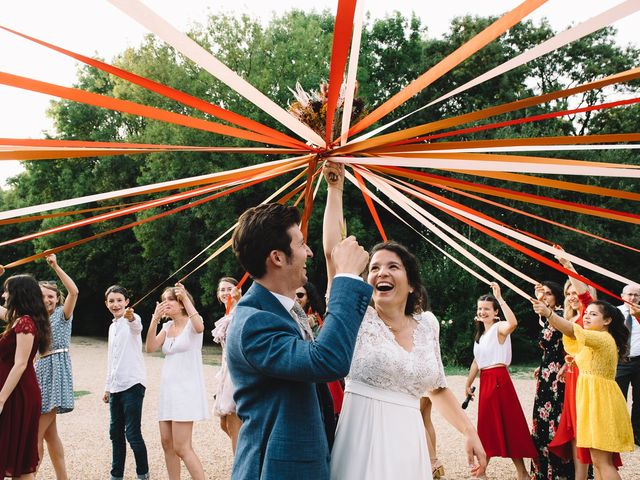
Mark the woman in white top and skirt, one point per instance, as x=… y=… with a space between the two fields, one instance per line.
x=502 y=425
x=182 y=391
x=380 y=434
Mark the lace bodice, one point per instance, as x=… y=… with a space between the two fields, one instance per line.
x=379 y=361
x=25 y=325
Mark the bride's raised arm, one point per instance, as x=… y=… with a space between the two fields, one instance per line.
x=333 y=223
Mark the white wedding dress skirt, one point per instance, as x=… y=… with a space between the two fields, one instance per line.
x=380 y=436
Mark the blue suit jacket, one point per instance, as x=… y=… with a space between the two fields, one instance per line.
x=274 y=372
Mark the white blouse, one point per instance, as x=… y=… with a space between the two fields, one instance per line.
x=489 y=351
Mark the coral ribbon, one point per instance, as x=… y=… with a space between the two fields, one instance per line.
x=483 y=38
x=177 y=95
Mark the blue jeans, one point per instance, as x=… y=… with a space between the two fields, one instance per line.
x=126 y=415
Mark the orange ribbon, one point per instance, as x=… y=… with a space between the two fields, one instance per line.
x=388 y=138
x=520 y=196
x=483 y=38
x=512 y=142
x=531 y=215
x=184 y=98
x=341 y=36
x=370 y=205
x=127 y=106
x=507 y=241
x=520 y=121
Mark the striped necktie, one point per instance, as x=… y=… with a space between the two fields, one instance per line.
x=302 y=320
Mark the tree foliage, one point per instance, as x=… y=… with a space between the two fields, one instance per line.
x=295 y=47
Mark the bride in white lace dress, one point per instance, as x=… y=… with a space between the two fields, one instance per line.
x=380 y=434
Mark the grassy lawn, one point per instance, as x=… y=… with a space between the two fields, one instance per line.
x=80 y=393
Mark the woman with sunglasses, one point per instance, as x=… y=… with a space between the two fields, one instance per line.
x=53 y=368
x=311 y=302
x=224 y=407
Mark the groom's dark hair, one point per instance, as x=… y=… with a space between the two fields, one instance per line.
x=261 y=230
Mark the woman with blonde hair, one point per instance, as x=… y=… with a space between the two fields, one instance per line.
x=183 y=397
x=604 y=425
x=53 y=368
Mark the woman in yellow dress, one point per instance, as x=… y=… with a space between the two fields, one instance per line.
x=603 y=422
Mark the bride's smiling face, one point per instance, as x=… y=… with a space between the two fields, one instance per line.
x=388 y=277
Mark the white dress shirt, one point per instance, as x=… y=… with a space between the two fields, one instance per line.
x=634 y=340
x=125 y=365
x=288 y=303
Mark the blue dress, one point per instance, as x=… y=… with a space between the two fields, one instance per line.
x=54 y=371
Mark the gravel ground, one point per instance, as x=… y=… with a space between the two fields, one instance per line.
x=85 y=435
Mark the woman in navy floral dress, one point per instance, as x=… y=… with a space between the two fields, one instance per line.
x=547 y=405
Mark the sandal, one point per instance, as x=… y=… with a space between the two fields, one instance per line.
x=437 y=469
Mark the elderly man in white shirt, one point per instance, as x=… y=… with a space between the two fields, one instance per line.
x=629 y=372
x=125 y=385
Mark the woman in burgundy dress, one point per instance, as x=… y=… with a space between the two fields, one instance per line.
x=27 y=331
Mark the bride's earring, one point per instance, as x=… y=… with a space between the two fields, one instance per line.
x=476 y=318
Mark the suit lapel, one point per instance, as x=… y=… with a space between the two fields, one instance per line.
x=262 y=299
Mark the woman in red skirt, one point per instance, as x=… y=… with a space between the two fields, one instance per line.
x=502 y=426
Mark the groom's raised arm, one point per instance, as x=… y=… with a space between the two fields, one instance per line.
x=273 y=345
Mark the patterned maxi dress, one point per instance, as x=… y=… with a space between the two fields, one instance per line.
x=54 y=371
x=547 y=407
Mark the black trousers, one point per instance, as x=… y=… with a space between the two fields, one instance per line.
x=628 y=373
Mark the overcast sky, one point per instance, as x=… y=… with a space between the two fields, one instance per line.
x=96 y=27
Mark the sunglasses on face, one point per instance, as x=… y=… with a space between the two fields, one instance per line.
x=301 y=294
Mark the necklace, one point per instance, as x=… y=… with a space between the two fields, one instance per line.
x=407 y=322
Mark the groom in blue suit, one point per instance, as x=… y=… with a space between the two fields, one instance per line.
x=273 y=369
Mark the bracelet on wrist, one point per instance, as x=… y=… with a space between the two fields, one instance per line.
x=193 y=315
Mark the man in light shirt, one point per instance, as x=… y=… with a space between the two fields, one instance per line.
x=125 y=385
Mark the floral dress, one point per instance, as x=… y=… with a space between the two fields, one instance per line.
x=54 y=372
x=547 y=407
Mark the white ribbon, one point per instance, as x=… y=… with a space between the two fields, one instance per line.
x=561 y=39
x=189 y=48
x=395 y=214
x=420 y=214
x=491 y=166
x=526 y=239
x=203 y=179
